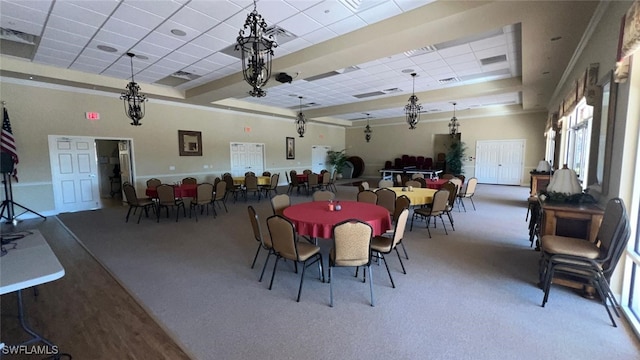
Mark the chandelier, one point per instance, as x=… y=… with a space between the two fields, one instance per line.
x=412 y=109
x=133 y=99
x=301 y=121
x=454 y=124
x=367 y=130
x=257 y=50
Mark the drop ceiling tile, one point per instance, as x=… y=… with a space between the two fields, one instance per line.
x=219 y=10
x=33 y=5
x=438 y=73
x=63 y=24
x=300 y=24
x=319 y=36
x=494 y=67
x=182 y=57
x=426 y=58
x=87 y=60
x=133 y=15
x=166 y=28
x=222 y=59
x=62 y=46
x=86 y=67
x=210 y=42
x=78 y=14
x=383 y=11
x=120 y=74
x=498 y=40
x=407 y=5
x=118 y=41
x=53 y=52
x=347 y=25
x=328 y=12
x=466 y=66
x=276 y=12
x=150 y=50
x=92 y=52
x=400 y=64
x=455 y=51
x=451 y=60
x=195 y=19
x=104 y=7
x=490 y=52
x=225 y=32
x=125 y=28
x=51 y=61
x=163 y=40
x=161 y=8
x=195 y=51
x=293 y=45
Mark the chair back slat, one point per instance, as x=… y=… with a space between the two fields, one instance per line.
x=352 y=243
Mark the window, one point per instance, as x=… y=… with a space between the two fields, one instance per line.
x=579 y=140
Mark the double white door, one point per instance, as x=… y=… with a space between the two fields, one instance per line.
x=319 y=158
x=247 y=157
x=500 y=161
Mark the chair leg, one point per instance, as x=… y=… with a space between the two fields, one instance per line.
x=451 y=220
x=304 y=266
x=128 y=213
x=256 y=257
x=405 y=251
x=275 y=266
x=265 y=265
x=140 y=215
x=401 y=264
x=472 y=203
x=393 y=285
x=371 y=284
x=330 y=286
x=443 y=225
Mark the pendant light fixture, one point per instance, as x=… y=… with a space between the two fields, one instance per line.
x=301 y=120
x=257 y=51
x=454 y=124
x=133 y=99
x=412 y=109
x=367 y=130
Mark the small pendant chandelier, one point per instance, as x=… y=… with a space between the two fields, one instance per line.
x=301 y=121
x=367 y=130
x=133 y=99
x=257 y=51
x=454 y=124
x=412 y=109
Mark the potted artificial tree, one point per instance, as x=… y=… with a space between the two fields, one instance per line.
x=337 y=159
x=454 y=157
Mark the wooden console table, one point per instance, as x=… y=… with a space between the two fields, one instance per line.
x=573 y=220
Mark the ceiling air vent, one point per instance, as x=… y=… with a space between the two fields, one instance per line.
x=420 y=51
x=348 y=69
x=370 y=94
x=281 y=35
x=493 y=60
x=185 y=75
x=448 y=80
x=306 y=105
x=17 y=36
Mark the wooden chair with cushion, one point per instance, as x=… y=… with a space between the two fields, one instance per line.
x=204 y=198
x=312 y=183
x=452 y=188
x=467 y=193
x=263 y=242
x=135 y=202
x=323 y=195
x=273 y=185
x=326 y=180
x=167 y=199
x=231 y=188
x=153 y=183
x=381 y=245
x=437 y=208
x=221 y=195
x=385 y=183
x=251 y=185
x=286 y=246
x=190 y=181
x=567 y=257
x=279 y=203
x=402 y=202
x=387 y=199
x=351 y=248
x=367 y=196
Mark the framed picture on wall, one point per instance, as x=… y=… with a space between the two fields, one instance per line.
x=190 y=143
x=290 y=147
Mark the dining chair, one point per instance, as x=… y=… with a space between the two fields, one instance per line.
x=204 y=198
x=422 y=181
x=437 y=208
x=385 y=183
x=263 y=242
x=167 y=199
x=367 y=196
x=286 y=246
x=467 y=193
x=323 y=195
x=402 y=202
x=307 y=171
x=279 y=203
x=351 y=248
x=594 y=262
x=326 y=180
x=249 y=173
x=266 y=173
x=332 y=183
x=221 y=195
x=364 y=185
x=383 y=245
x=153 y=183
x=136 y=203
x=190 y=180
x=452 y=188
x=231 y=188
x=312 y=182
x=387 y=199
x=413 y=183
x=273 y=185
x=251 y=185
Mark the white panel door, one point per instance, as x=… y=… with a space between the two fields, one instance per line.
x=500 y=161
x=319 y=158
x=247 y=157
x=74 y=173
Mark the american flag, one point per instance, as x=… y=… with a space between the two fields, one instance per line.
x=8 y=143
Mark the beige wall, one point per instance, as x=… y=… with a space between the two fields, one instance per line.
x=391 y=141
x=37 y=112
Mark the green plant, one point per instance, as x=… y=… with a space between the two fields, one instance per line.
x=337 y=159
x=454 y=157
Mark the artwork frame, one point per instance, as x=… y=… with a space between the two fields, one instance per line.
x=290 y=148
x=190 y=143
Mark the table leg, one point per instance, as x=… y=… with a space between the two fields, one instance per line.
x=36 y=337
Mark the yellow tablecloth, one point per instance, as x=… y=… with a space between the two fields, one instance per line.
x=262 y=180
x=419 y=196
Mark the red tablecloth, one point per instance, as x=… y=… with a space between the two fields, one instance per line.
x=314 y=218
x=435 y=184
x=184 y=190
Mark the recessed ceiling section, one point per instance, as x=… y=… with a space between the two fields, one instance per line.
x=177 y=78
x=17 y=43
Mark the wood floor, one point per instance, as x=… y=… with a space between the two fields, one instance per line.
x=87 y=313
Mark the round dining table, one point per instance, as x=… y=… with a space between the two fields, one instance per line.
x=262 y=180
x=180 y=191
x=418 y=196
x=314 y=218
x=435 y=183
